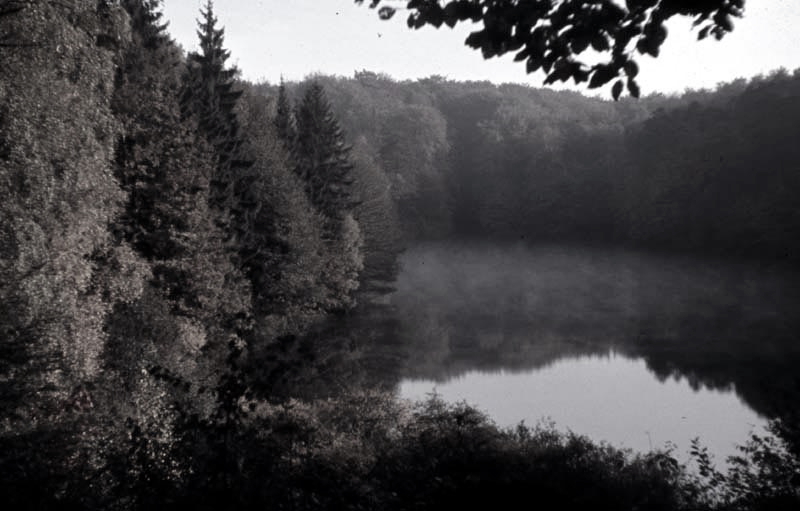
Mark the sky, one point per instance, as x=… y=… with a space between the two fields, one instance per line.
x=296 y=38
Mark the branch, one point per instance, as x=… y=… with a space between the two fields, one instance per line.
x=551 y=35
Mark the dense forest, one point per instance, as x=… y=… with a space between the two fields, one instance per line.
x=705 y=171
x=194 y=269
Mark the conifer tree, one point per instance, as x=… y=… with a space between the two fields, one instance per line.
x=196 y=300
x=210 y=95
x=148 y=31
x=165 y=168
x=322 y=160
x=284 y=116
x=323 y=157
x=284 y=277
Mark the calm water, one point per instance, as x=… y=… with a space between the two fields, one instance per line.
x=613 y=398
x=629 y=348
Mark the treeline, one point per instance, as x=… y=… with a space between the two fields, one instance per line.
x=169 y=239
x=707 y=171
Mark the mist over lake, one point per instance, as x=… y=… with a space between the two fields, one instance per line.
x=612 y=343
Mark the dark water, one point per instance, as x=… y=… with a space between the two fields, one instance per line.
x=635 y=349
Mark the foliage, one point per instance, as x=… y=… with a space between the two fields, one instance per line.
x=765 y=475
x=284 y=117
x=552 y=36
x=166 y=170
x=702 y=172
x=323 y=164
x=209 y=95
x=322 y=156
x=58 y=194
x=286 y=270
x=62 y=272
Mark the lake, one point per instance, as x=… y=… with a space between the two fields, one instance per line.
x=636 y=349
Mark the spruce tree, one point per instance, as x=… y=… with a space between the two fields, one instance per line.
x=322 y=160
x=210 y=96
x=148 y=31
x=285 y=275
x=166 y=167
x=323 y=157
x=284 y=117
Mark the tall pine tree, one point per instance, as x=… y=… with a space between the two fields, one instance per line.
x=210 y=96
x=323 y=157
x=165 y=168
x=322 y=160
x=284 y=116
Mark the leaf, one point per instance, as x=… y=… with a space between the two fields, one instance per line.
x=703 y=33
x=700 y=19
x=580 y=76
x=522 y=55
x=616 y=90
x=532 y=65
x=631 y=69
x=475 y=39
x=725 y=22
x=633 y=88
x=451 y=14
x=648 y=46
x=386 y=12
x=601 y=76
x=560 y=74
x=659 y=34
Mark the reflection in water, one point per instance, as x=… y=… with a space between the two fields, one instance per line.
x=611 y=398
x=523 y=322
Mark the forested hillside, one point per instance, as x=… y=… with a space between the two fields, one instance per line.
x=183 y=255
x=705 y=171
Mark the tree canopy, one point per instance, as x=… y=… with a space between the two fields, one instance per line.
x=554 y=35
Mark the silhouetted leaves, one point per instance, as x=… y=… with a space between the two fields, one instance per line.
x=616 y=90
x=602 y=75
x=633 y=88
x=386 y=13
x=557 y=32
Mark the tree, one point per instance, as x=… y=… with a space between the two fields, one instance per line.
x=377 y=217
x=323 y=164
x=552 y=35
x=413 y=147
x=195 y=299
x=284 y=117
x=285 y=273
x=323 y=158
x=210 y=95
x=61 y=272
x=58 y=195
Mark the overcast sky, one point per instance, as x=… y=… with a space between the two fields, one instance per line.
x=295 y=38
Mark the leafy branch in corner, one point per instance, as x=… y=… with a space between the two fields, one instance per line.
x=553 y=35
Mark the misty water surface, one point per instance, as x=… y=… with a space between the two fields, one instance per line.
x=633 y=348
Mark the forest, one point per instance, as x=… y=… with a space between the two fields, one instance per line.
x=196 y=271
